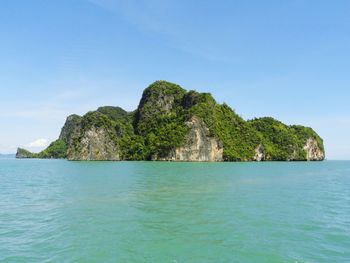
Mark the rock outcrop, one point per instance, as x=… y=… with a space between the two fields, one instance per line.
x=198 y=145
x=313 y=150
x=91 y=137
x=94 y=144
x=71 y=129
x=23 y=154
x=259 y=153
x=171 y=124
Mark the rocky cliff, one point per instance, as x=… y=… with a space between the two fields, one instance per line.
x=313 y=150
x=91 y=137
x=171 y=124
x=198 y=145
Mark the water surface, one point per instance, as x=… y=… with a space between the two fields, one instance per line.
x=61 y=211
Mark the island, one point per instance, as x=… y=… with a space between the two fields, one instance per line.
x=172 y=124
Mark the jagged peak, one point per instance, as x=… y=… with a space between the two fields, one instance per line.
x=160 y=90
x=71 y=122
x=115 y=108
x=163 y=85
x=114 y=113
x=192 y=98
x=73 y=116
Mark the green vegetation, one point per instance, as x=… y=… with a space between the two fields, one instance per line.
x=284 y=142
x=160 y=119
x=93 y=121
x=280 y=141
x=158 y=127
x=238 y=138
x=121 y=119
x=23 y=153
x=56 y=150
x=303 y=133
x=132 y=148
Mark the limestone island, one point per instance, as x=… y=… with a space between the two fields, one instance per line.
x=172 y=124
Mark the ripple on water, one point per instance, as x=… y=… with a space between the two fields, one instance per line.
x=59 y=211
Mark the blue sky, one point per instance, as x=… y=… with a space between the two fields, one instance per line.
x=285 y=59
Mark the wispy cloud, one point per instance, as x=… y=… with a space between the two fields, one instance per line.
x=156 y=17
x=137 y=13
x=39 y=143
x=55 y=105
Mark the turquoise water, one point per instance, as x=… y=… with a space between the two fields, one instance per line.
x=60 y=211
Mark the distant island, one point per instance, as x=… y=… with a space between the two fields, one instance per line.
x=172 y=124
x=7 y=156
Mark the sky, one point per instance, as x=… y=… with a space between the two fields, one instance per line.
x=286 y=59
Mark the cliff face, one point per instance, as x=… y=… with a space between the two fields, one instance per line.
x=94 y=144
x=172 y=124
x=71 y=129
x=260 y=154
x=91 y=137
x=198 y=145
x=313 y=150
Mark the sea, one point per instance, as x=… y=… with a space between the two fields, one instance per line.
x=63 y=211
